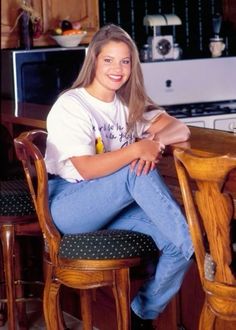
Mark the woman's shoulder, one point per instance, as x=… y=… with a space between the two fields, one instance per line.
x=72 y=93
x=71 y=97
x=70 y=103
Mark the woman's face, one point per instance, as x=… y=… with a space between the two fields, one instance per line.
x=113 y=67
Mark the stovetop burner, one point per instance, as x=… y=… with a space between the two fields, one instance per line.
x=201 y=109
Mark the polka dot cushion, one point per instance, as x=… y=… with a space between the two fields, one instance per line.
x=106 y=244
x=15 y=199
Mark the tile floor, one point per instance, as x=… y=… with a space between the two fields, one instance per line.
x=36 y=320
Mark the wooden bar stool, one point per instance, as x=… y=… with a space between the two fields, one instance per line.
x=17 y=218
x=210 y=213
x=81 y=261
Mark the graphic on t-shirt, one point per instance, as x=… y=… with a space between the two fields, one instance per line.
x=113 y=135
x=99 y=146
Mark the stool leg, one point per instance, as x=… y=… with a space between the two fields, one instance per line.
x=121 y=291
x=19 y=291
x=7 y=238
x=86 y=309
x=2 y=291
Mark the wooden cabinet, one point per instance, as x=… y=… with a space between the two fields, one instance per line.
x=51 y=12
x=229 y=25
x=9 y=15
x=230 y=12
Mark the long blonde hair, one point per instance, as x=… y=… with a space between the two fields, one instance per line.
x=132 y=93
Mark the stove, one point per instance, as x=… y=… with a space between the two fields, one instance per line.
x=201 y=109
x=199 y=92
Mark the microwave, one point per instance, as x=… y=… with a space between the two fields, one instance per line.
x=39 y=75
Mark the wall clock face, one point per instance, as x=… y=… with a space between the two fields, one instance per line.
x=163 y=47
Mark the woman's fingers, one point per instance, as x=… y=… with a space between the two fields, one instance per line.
x=133 y=164
x=144 y=167
x=140 y=166
x=153 y=165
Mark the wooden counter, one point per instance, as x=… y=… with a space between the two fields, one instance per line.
x=206 y=142
x=202 y=139
x=29 y=114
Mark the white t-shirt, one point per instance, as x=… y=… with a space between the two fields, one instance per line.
x=80 y=124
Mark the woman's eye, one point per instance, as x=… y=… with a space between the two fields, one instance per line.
x=107 y=60
x=126 y=61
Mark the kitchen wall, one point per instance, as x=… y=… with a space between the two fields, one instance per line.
x=194 y=33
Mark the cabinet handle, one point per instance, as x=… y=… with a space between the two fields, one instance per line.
x=232 y=127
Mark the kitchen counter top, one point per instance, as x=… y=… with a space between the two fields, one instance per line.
x=202 y=139
x=211 y=141
x=30 y=114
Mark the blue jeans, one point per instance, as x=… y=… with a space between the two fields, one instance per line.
x=124 y=200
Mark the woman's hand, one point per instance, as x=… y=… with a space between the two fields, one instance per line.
x=150 y=154
x=145 y=153
x=142 y=167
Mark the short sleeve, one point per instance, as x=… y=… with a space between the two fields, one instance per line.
x=149 y=116
x=70 y=130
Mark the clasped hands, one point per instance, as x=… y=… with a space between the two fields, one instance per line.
x=151 y=152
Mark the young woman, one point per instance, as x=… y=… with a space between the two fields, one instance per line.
x=105 y=138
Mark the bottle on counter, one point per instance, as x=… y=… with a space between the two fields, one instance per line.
x=145 y=53
x=25 y=27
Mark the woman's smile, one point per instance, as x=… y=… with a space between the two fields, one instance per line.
x=115 y=77
x=113 y=69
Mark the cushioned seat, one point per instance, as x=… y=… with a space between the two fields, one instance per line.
x=106 y=244
x=15 y=199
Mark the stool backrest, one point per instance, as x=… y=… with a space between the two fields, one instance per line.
x=30 y=149
x=210 y=212
x=10 y=168
x=6 y=143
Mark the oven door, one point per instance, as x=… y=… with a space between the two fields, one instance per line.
x=225 y=122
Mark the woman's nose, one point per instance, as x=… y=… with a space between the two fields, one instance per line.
x=117 y=65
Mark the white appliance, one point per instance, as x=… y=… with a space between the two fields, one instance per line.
x=39 y=75
x=161 y=46
x=201 y=92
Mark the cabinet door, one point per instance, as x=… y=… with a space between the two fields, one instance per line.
x=229 y=9
x=85 y=11
x=229 y=17
x=9 y=20
x=8 y=17
x=51 y=12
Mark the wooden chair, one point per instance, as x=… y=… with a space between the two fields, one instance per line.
x=210 y=212
x=80 y=261
x=17 y=218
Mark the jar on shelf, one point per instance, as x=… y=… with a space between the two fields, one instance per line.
x=177 y=51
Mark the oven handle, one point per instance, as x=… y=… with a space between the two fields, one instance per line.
x=232 y=127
